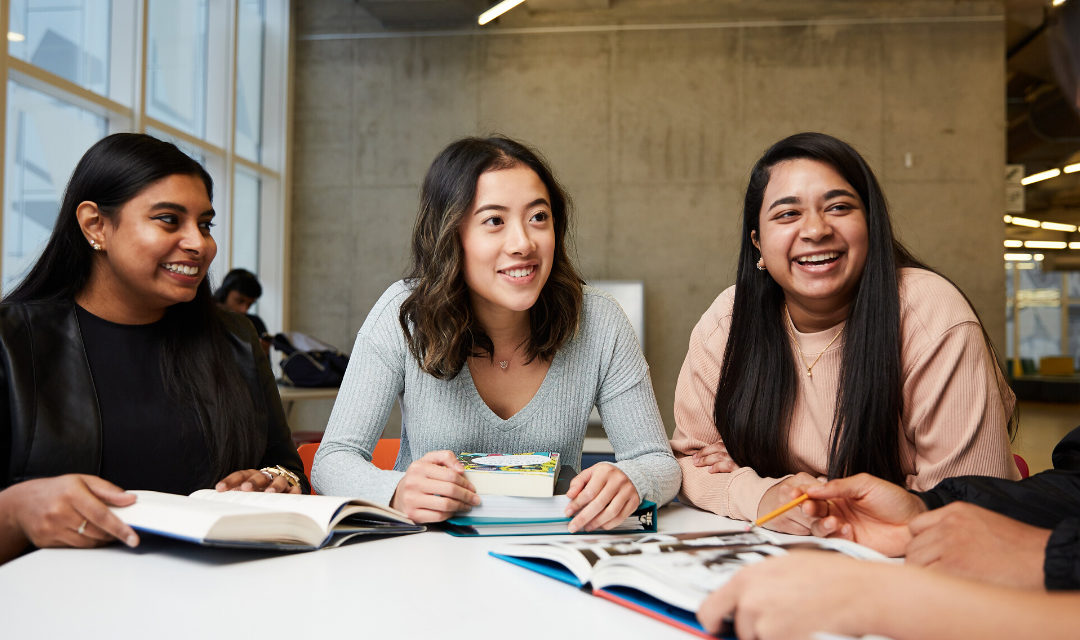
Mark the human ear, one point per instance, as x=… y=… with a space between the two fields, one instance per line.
x=92 y=224
x=754 y=239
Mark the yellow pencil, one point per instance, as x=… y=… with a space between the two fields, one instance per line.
x=776 y=512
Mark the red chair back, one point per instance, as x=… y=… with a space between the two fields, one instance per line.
x=1022 y=465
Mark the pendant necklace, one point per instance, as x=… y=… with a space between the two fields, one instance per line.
x=802 y=356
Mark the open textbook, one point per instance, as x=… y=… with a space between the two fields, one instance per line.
x=665 y=576
x=292 y=522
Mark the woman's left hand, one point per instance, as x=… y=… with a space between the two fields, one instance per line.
x=255 y=480
x=601 y=497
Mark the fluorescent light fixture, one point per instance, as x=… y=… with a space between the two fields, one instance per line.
x=1014 y=244
x=1025 y=222
x=1058 y=3
x=1071 y=168
x=1039 y=257
x=1074 y=245
x=497 y=11
x=1018 y=257
x=14 y=36
x=1008 y=219
x=1045 y=244
x=1042 y=175
x=1058 y=226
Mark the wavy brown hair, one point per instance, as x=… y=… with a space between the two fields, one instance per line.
x=437 y=317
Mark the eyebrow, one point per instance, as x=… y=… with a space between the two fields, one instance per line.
x=499 y=207
x=172 y=206
x=829 y=195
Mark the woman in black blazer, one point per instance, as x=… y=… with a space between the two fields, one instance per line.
x=116 y=367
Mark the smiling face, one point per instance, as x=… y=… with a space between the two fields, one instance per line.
x=508 y=238
x=155 y=250
x=813 y=238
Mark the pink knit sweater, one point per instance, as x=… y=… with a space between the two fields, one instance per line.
x=955 y=413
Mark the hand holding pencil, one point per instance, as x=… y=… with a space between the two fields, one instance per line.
x=776 y=511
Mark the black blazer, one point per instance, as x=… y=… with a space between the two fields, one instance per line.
x=50 y=423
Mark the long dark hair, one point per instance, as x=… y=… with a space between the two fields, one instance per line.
x=437 y=318
x=756 y=393
x=195 y=363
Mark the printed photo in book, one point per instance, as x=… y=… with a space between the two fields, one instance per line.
x=531 y=474
x=664 y=576
x=248 y=519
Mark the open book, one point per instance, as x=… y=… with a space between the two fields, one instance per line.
x=283 y=521
x=665 y=576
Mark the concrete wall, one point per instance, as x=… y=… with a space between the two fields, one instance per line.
x=653 y=132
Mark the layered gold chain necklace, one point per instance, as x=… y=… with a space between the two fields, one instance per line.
x=802 y=356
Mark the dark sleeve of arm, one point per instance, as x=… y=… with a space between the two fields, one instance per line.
x=279 y=445
x=1043 y=500
x=1062 y=564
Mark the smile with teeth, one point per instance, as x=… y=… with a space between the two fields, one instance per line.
x=181 y=269
x=519 y=272
x=818 y=258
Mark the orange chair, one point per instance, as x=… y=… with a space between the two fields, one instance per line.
x=384 y=456
x=1022 y=465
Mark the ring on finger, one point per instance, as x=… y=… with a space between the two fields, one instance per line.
x=82 y=528
x=269 y=476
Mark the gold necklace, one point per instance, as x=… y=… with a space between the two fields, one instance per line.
x=802 y=356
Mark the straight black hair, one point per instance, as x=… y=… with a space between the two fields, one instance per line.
x=196 y=364
x=240 y=280
x=756 y=392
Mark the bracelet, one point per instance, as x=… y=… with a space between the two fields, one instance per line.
x=278 y=470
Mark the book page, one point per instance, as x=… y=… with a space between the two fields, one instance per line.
x=321 y=509
x=515 y=508
x=178 y=515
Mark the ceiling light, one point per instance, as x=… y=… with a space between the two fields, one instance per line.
x=497 y=11
x=1014 y=244
x=1058 y=3
x=13 y=36
x=1039 y=257
x=1045 y=244
x=1074 y=245
x=1018 y=257
x=1008 y=219
x=1058 y=226
x=1025 y=222
x=1071 y=168
x=1042 y=175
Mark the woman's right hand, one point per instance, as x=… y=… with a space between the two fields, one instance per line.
x=67 y=511
x=434 y=488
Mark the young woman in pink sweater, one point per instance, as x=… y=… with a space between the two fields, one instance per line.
x=837 y=352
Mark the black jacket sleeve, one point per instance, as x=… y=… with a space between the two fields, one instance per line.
x=1062 y=564
x=1043 y=500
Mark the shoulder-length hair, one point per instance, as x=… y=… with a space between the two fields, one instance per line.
x=437 y=318
x=196 y=362
x=758 y=380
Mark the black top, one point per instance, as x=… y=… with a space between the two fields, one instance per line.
x=148 y=440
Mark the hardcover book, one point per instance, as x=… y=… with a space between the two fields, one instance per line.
x=532 y=474
x=664 y=576
x=516 y=516
x=285 y=521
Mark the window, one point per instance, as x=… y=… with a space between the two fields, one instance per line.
x=214 y=84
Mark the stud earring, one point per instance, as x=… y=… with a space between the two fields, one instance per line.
x=761 y=264
x=95 y=246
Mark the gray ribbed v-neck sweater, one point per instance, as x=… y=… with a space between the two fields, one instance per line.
x=601 y=365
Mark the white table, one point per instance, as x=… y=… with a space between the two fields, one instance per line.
x=423 y=585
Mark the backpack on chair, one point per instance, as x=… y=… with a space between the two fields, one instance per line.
x=308 y=362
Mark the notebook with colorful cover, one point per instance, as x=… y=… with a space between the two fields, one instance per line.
x=664 y=576
x=531 y=474
x=517 y=516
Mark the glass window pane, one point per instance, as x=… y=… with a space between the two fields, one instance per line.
x=176 y=65
x=1039 y=300
x=245 y=223
x=249 y=79
x=45 y=139
x=67 y=37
